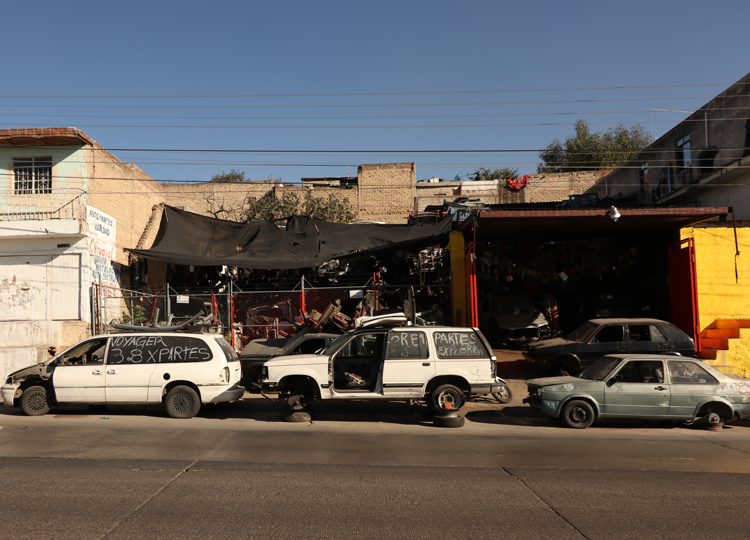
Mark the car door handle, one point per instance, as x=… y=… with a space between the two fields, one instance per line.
x=112 y=372
x=96 y=372
x=660 y=388
x=425 y=363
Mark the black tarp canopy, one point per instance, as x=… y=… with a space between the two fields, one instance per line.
x=188 y=238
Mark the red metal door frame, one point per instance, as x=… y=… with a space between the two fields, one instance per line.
x=683 y=281
x=472 y=313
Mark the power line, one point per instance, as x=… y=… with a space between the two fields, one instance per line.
x=378 y=105
x=213 y=96
x=386 y=126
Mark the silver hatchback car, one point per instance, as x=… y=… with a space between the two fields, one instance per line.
x=655 y=387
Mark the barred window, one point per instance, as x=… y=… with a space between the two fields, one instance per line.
x=33 y=175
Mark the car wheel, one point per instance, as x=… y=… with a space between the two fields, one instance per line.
x=34 y=401
x=448 y=421
x=182 y=402
x=578 y=414
x=295 y=402
x=504 y=395
x=290 y=415
x=447 y=398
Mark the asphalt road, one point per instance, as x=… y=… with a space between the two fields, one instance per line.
x=365 y=471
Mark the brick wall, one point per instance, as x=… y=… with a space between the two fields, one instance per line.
x=540 y=188
x=123 y=191
x=210 y=197
x=386 y=192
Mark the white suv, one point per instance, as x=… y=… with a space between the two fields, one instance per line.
x=182 y=371
x=440 y=364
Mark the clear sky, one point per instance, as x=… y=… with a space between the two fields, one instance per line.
x=331 y=85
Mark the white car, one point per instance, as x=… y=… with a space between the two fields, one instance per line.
x=181 y=371
x=441 y=364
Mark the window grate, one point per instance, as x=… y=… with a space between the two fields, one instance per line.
x=32 y=175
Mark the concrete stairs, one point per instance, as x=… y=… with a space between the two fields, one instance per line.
x=718 y=342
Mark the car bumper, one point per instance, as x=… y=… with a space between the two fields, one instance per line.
x=8 y=391
x=483 y=389
x=212 y=394
x=547 y=406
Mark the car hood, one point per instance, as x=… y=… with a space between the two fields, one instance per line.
x=549 y=381
x=518 y=321
x=41 y=369
x=295 y=359
x=567 y=384
x=554 y=342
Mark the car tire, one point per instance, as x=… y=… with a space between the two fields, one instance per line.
x=34 y=401
x=504 y=396
x=289 y=415
x=447 y=398
x=182 y=402
x=578 y=414
x=451 y=421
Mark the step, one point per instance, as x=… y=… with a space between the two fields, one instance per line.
x=706 y=354
x=730 y=323
x=720 y=344
x=727 y=333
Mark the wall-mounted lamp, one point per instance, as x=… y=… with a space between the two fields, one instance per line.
x=614 y=215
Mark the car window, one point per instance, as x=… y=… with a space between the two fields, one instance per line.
x=311 y=346
x=363 y=346
x=644 y=333
x=683 y=372
x=157 y=350
x=229 y=352
x=609 y=334
x=600 y=370
x=88 y=352
x=458 y=345
x=408 y=345
x=641 y=371
x=656 y=334
x=582 y=332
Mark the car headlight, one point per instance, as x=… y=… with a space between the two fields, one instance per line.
x=264 y=372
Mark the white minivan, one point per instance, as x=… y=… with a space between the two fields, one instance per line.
x=182 y=371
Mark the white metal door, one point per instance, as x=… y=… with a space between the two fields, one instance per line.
x=65 y=284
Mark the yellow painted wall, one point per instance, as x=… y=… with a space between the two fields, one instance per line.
x=720 y=294
x=458 y=278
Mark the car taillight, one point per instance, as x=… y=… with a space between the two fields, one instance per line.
x=224 y=375
x=264 y=373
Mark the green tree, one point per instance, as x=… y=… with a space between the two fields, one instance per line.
x=271 y=207
x=331 y=209
x=586 y=151
x=484 y=173
x=230 y=177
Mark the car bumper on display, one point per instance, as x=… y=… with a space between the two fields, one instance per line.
x=8 y=392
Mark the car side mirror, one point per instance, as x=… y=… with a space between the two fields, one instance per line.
x=613 y=380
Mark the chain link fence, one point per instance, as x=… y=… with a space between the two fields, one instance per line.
x=256 y=314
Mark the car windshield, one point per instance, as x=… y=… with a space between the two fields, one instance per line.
x=583 y=332
x=600 y=370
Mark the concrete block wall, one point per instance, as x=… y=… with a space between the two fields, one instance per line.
x=386 y=192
